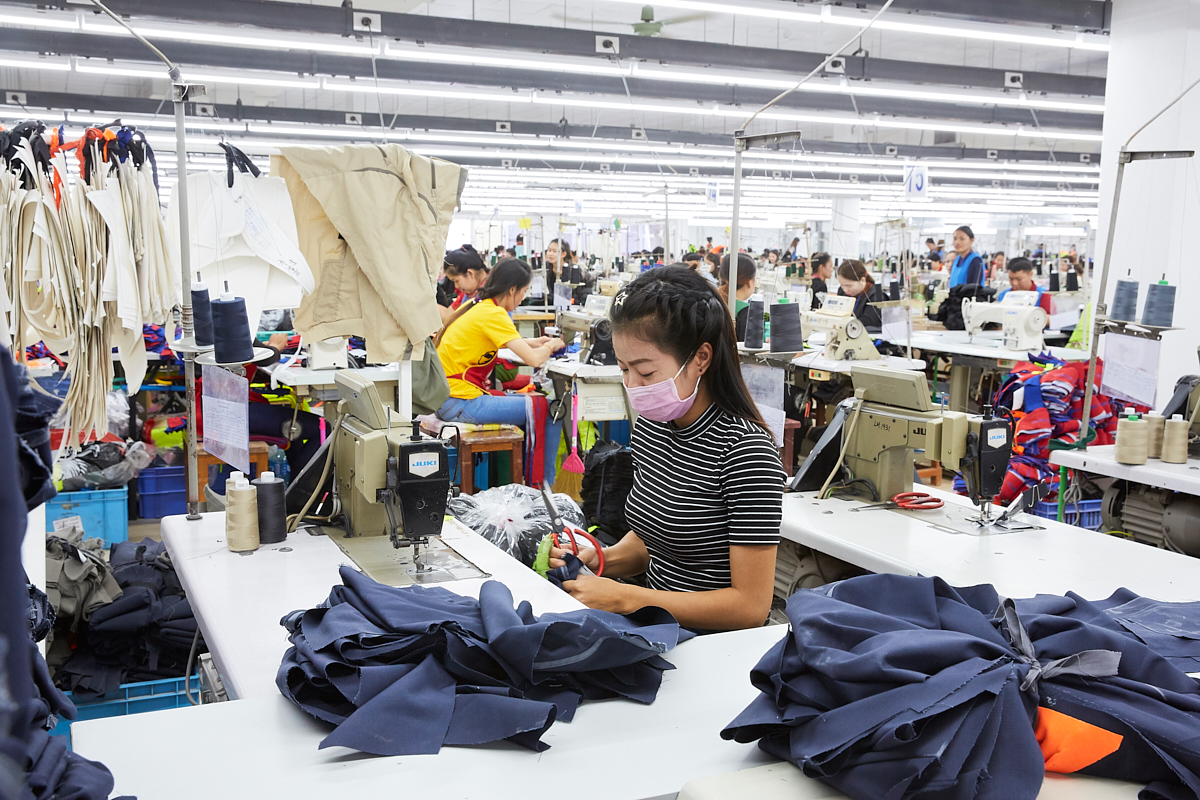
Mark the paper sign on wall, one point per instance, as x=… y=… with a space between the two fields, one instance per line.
x=525 y=223
x=227 y=417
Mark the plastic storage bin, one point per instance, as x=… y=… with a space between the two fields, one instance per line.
x=162 y=492
x=131 y=698
x=1084 y=514
x=105 y=512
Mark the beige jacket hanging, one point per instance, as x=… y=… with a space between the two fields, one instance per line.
x=373 y=221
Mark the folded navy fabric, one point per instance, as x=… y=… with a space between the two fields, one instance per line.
x=889 y=686
x=404 y=671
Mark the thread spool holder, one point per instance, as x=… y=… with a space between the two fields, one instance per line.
x=209 y=359
x=1107 y=325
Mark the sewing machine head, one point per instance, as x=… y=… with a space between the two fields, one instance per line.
x=594 y=329
x=847 y=338
x=1020 y=318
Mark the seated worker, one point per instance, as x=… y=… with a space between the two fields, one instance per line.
x=466 y=270
x=707 y=494
x=855 y=281
x=1020 y=278
x=967 y=266
x=746 y=284
x=822 y=264
x=934 y=252
x=696 y=263
x=468 y=347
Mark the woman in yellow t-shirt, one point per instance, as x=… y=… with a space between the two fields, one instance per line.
x=468 y=347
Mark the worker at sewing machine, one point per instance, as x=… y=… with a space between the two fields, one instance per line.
x=468 y=346
x=822 y=264
x=746 y=284
x=1020 y=279
x=967 y=266
x=707 y=495
x=467 y=271
x=855 y=281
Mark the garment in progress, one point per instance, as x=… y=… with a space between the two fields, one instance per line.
x=405 y=671
x=903 y=687
x=700 y=490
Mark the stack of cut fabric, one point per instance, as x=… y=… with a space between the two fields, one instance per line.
x=899 y=687
x=78 y=582
x=405 y=671
x=1046 y=396
x=146 y=634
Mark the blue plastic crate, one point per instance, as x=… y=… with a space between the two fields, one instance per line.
x=162 y=492
x=131 y=698
x=105 y=512
x=1084 y=514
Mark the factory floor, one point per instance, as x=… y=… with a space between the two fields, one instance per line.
x=145 y=529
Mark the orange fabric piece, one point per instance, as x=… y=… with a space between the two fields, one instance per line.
x=1069 y=744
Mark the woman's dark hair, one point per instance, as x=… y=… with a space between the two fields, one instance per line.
x=677 y=310
x=510 y=273
x=713 y=259
x=692 y=257
x=967 y=230
x=819 y=260
x=746 y=269
x=464 y=258
x=564 y=247
x=854 y=270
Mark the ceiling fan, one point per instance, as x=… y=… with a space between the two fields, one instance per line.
x=646 y=26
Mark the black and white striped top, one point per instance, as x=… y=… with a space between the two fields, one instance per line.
x=699 y=490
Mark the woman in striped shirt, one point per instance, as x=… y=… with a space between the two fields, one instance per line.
x=708 y=483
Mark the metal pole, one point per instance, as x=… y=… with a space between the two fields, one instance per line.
x=667 y=226
x=1101 y=307
x=185 y=268
x=738 y=147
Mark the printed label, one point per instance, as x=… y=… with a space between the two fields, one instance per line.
x=997 y=437
x=424 y=464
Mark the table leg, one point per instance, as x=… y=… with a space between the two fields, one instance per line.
x=960 y=377
x=518 y=464
x=466 y=461
x=789 y=450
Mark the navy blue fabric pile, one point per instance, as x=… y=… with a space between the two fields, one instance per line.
x=897 y=687
x=144 y=635
x=405 y=671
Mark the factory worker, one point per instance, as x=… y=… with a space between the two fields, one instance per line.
x=563 y=267
x=466 y=270
x=1020 y=278
x=822 y=273
x=855 y=281
x=468 y=347
x=746 y=284
x=967 y=266
x=696 y=263
x=707 y=484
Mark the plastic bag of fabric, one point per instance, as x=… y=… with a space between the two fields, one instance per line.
x=514 y=518
x=117 y=406
x=137 y=456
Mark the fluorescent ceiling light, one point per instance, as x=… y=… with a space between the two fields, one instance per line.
x=99 y=67
x=37 y=63
x=363 y=87
x=589 y=66
x=48 y=22
x=920 y=125
x=893 y=22
x=546 y=98
x=229 y=37
x=656 y=72
x=1054 y=231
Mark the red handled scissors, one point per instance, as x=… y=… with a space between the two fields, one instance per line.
x=571 y=533
x=908 y=501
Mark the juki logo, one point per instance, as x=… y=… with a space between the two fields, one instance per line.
x=424 y=464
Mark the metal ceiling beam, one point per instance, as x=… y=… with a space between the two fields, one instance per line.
x=115 y=107
x=296 y=17
x=1087 y=15
x=187 y=53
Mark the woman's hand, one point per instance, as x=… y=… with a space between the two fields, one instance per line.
x=587 y=555
x=602 y=594
x=555 y=345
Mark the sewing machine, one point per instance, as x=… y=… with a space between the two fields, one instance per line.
x=847 y=338
x=391 y=485
x=1019 y=315
x=894 y=419
x=594 y=328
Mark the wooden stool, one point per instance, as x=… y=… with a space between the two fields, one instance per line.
x=490 y=442
x=931 y=475
x=790 y=426
x=259 y=451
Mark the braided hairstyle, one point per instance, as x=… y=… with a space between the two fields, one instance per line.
x=677 y=310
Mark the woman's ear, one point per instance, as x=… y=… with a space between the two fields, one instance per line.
x=703 y=358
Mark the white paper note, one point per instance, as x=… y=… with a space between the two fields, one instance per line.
x=227 y=417
x=1130 y=368
x=766 y=387
x=895 y=324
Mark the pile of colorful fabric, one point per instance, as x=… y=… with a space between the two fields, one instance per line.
x=406 y=671
x=156 y=342
x=899 y=687
x=1045 y=396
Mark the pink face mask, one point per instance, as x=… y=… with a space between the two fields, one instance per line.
x=660 y=401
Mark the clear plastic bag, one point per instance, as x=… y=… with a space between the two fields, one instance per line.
x=117 y=405
x=138 y=456
x=514 y=518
